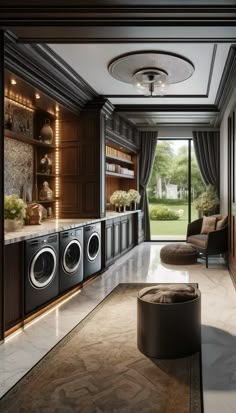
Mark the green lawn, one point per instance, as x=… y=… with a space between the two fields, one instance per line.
x=178 y=227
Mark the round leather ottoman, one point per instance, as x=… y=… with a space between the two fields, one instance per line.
x=178 y=254
x=169 y=320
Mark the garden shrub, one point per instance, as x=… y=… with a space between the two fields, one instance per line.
x=167 y=201
x=161 y=213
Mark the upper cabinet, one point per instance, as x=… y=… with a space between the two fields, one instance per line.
x=31 y=145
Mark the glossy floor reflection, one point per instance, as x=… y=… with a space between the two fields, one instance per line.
x=21 y=352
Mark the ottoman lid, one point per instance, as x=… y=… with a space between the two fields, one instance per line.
x=169 y=293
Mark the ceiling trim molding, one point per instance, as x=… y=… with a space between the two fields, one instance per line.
x=156 y=96
x=37 y=65
x=166 y=108
x=228 y=80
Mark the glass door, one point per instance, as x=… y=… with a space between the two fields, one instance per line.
x=174 y=184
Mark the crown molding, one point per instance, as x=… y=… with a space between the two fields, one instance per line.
x=40 y=66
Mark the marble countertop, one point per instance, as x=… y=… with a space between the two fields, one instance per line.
x=56 y=225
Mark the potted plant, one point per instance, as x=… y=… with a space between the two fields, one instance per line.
x=120 y=200
x=14 y=212
x=134 y=199
x=207 y=202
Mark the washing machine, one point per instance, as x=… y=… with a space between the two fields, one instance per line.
x=41 y=282
x=71 y=257
x=92 y=249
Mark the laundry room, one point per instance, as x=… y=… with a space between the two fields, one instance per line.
x=66 y=154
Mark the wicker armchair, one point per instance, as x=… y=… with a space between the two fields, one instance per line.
x=216 y=242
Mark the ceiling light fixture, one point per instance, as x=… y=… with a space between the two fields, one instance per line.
x=151 y=81
x=13 y=82
x=151 y=72
x=37 y=96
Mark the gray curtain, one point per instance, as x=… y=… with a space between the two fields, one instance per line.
x=148 y=141
x=207 y=149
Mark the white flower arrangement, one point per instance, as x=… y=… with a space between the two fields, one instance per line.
x=119 y=198
x=134 y=196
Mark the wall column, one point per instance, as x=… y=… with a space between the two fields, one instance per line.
x=2 y=53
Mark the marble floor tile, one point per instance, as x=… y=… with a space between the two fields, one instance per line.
x=22 y=351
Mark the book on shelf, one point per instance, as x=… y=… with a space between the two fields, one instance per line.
x=118 y=154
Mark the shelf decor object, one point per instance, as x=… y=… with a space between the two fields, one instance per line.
x=46 y=133
x=45 y=165
x=46 y=194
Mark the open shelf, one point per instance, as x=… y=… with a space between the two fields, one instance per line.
x=115 y=158
x=26 y=139
x=47 y=201
x=116 y=175
x=45 y=174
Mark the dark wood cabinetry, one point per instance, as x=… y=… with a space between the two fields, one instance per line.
x=130 y=231
x=140 y=228
x=232 y=194
x=124 y=234
x=109 y=245
x=116 y=239
x=13 y=288
x=120 y=236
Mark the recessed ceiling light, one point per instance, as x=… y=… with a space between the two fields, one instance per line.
x=37 y=96
x=13 y=81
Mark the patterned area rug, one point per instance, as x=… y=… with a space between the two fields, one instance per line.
x=97 y=368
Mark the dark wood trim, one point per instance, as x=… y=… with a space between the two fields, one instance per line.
x=151 y=97
x=213 y=57
x=2 y=58
x=41 y=67
x=227 y=81
x=166 y=108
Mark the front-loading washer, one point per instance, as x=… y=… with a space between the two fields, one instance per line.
x=92 y=249
x=71 y=258
x=41 y=281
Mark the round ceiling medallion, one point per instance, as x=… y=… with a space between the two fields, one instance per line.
x=174 y=67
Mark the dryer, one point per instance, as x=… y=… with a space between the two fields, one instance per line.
x=92 y=249
x=71 y=258
x=41 y=283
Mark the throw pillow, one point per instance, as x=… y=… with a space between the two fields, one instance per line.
x=208 y=224
x=221 y=223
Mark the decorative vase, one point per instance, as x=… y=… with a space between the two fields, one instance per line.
x=12 y=225
x=133 y=206
x=46 y=133
x=46 y=194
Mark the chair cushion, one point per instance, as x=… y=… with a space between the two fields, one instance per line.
x=221 y=222
x=169 y=293
x=208 y=224
x=200 y=240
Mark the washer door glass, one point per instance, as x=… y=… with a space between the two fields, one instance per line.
x=93 y=246
x=72 y=256
x=43 y=268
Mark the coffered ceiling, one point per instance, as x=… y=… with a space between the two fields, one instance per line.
x=91 y=61
x=87 y=35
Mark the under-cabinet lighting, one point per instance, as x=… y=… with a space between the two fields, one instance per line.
x=20 y=101
x=57 y=166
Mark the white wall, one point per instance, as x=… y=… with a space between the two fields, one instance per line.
x=224 y=155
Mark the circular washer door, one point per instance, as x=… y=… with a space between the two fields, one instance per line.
x=72 y=256
x=93 y=246
x=43 y=268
